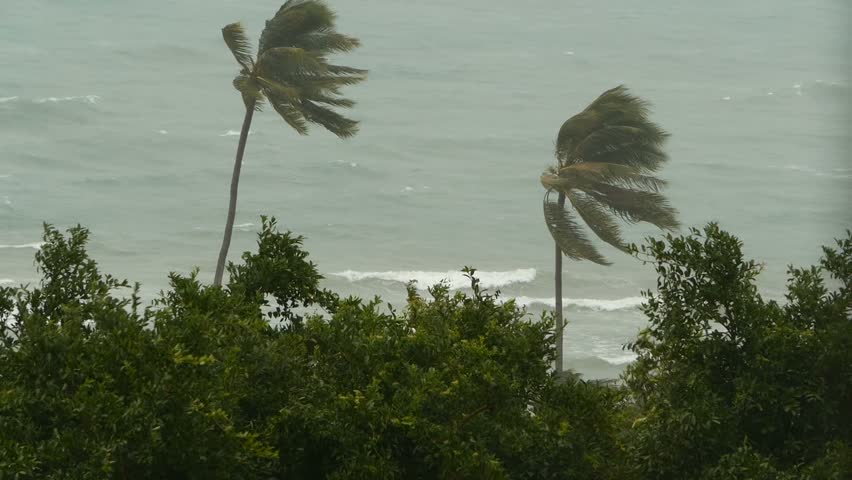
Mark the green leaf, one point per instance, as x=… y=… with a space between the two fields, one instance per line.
x=295 y=21
x=568 y=234
x=636 y=206
x=615 y=121
x=332 y=121
x=285 y=62
x=250 y=90
x=289 y=113
x=618 y=145
x=597 y=219
x=237 y=42
x=277 y=89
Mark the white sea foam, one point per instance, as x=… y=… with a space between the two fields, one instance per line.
x=6 y=281
x=34 y=245
x=9 y=320
x=163 y=132
x=835 y=173
x=597 y=367
x=5 y=176
x=603 y=305
x=78 y=98
x=454 y=279
x=245 y=227
x=800 y=168
x=7 y=99
x=624 y=359
x=233 y=133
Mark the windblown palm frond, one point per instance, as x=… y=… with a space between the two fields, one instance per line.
x=290 y=114
x=598 y=219
x=605 y=156
x=592 y=173
x=292 y=70
x=636 y=206
x=299 y=23
x=569 y=234
x=614 y=125
x=237 y=41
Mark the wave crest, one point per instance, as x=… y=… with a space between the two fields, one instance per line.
x=234 y=133
x=34 y=245
x=834 y=172
x=78 y=98
x=454 y=279
x=600 y=362
x=626 y=303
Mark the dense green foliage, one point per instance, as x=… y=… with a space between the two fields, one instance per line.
x=731 y=385
x=201 y=384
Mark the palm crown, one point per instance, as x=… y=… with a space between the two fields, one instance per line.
x=292 y=71
x=606 y=155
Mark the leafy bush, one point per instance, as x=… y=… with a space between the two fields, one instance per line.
x=727 y=379
x=201 y=385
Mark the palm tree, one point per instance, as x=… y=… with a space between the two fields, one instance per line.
x=605 y=156
x=292 y=73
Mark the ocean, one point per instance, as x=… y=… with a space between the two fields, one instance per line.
x=120 y=116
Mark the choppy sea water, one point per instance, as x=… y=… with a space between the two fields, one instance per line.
x=121 y=116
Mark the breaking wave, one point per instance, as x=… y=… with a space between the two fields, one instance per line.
x=234 y=133
x=596 y=367
x=78 y=98
x=34 y=245
x=626 y=303
x=454 y=279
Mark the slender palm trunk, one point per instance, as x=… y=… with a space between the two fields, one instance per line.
x=232 y=206
x=560 y=324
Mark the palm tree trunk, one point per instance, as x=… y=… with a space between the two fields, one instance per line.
x=560 y=324
x=232 y=206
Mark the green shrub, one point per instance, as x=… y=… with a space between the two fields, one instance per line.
x=200 y=385
x=726 y=378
